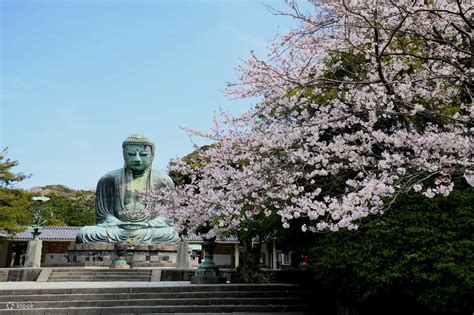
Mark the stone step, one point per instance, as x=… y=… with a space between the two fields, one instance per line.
x=68 y=303
x=164 y=289
x=129 y=296
x=102 y=272
x=194 y=309
x=105 y=271
x=99 y=275
x=100 y=280
x=167 y=299
x=104 y=278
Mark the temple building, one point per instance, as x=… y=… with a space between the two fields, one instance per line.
x=57 y=240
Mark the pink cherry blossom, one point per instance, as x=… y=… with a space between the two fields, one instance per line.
x=361 y=101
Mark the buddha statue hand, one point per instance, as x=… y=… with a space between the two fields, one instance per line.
x=133 y=226
x=111 y=221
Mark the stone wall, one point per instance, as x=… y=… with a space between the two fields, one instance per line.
x=19 y=274
x=103 y=254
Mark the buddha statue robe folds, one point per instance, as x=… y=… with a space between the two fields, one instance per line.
x=121 y=211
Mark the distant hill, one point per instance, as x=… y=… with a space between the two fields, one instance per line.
x=59 y=189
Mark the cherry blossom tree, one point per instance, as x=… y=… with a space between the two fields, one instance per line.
x=362 y=101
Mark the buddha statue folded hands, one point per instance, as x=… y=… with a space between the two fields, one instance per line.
x=121 y=210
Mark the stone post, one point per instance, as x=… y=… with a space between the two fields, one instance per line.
x=274 y=254
x=236 y=255
x=182 y=256
x=33 y=253
x=35 y=246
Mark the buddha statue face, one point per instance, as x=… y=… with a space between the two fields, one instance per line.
x=137 y=157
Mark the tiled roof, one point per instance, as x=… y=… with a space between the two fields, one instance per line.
x=196 y=238
x=68 y=233
x=51 y=233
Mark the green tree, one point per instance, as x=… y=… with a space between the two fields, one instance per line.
x=419 y=256
x=14 y=203
x=83 y=205
x=69 y=207
x=7 y=177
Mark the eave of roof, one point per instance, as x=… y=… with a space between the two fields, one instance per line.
x=68 y=233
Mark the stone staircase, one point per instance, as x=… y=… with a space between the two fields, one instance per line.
x=227 y=298
x=61 y=275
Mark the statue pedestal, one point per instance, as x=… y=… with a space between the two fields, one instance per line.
x=33 y=254
x=104 y=254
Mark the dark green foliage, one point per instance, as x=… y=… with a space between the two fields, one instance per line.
x=15 y=207
x=14 y=203
x=7 y=177
x=293 y=240
x=193 y=159
x=69 y=207
x=418 y=256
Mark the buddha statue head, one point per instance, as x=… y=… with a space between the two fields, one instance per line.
x=138 y=153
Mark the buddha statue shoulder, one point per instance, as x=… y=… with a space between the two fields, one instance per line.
x=121 y=209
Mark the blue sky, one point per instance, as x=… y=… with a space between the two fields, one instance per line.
x=77 y=77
